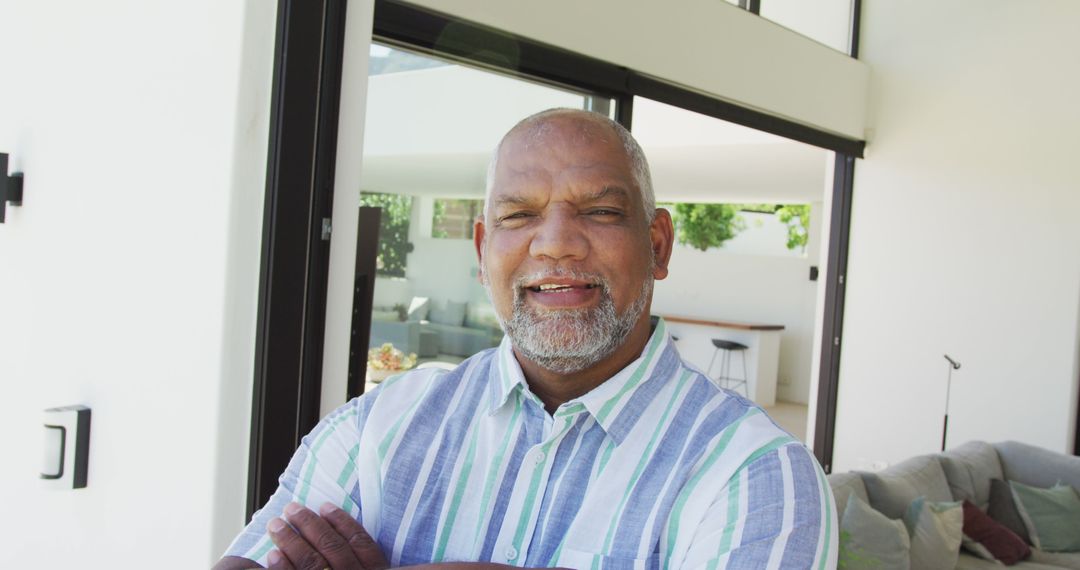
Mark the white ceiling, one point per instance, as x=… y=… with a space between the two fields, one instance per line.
x=426 y=135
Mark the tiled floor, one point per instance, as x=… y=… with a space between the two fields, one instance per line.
x=791 y=417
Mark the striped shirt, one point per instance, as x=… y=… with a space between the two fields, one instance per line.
x=654 y=468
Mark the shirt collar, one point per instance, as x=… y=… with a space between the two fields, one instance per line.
x=603 y=402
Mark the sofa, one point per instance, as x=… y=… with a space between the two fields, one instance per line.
x=433 y=328
x=962 y=473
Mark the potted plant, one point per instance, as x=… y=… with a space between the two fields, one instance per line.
x=385 y=361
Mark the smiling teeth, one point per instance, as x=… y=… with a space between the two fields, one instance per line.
x=551 y=287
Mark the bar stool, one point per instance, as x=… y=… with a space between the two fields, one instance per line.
x=725 y=379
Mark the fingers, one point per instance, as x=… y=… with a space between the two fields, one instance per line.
x=275 y=560
x=310 y=543
x=295 y=553
x=364 y=547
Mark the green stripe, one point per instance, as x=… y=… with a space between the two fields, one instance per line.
x=633 y=382
x=684 y=495
x=645 y=457
x=828 y=515
x=732 y=521
x=349 y=468
x=455 y=503
x=767 y=448
x=534 y=485
x=605 y=456
x=305 y=482
x=385 y=443
x=267 y=545
x=494 y=470
x=733 y=496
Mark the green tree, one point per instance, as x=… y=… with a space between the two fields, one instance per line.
x=394 y=244
x=706 y=225
x=797 y=218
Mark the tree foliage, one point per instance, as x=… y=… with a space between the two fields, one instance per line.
x=797 y=218
x=706 y=225
x=710 y=225
x=394 y=244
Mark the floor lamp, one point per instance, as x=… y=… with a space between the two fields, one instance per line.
x=953 y=365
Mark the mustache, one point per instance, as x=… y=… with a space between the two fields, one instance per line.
x=521 y=281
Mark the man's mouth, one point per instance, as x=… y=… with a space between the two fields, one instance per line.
x=560 y=287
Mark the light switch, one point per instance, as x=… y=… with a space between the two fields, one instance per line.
x=66 y=444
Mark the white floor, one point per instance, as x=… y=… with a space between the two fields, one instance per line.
x=791 y=417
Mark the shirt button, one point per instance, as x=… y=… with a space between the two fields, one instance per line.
x=511 y=554
x=539 y=457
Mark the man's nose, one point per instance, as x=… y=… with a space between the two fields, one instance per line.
x=559 y=236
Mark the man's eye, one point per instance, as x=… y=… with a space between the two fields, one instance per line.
x=604 y=212
x=514 y=216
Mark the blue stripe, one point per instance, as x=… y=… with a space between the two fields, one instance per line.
x=502 y=498
x=406 y=461
x=727 y=413
x=576 y=479
x=420 y=542
x=802 y=542
x=628 y=417
x=765 y=501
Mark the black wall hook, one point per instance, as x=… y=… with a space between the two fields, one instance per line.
x=11 y=187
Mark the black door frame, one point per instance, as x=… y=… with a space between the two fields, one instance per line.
x=295 y=251
x=299 y=194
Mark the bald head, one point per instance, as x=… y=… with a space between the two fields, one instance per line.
x=591 y=127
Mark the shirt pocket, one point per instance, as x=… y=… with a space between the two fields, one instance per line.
x=582 y=560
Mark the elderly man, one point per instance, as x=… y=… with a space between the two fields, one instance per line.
x=583 y=441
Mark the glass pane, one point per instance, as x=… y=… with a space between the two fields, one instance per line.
x=825 y=21
x=430 y=128
x=747 y=210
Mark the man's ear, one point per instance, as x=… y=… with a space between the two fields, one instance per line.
x=662 y=237
x=478 y=241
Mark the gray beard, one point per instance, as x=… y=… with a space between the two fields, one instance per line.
x=570 y=340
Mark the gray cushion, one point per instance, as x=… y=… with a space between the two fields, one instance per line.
x=1036 y=466
x=845 y=485
x=1003 y=509
x=972 y=562
x=869 y=539
x=453 y=314
x=1062 y=559
x=892 y=491
x=969 y=469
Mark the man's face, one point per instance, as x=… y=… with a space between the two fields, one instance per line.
x=565 y=249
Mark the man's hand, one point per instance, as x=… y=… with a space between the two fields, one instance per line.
x=333 y=540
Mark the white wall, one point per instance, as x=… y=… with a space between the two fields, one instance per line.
x=129 y=275
x=729 y=285
x=963 y=237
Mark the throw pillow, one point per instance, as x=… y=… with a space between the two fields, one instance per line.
x=892 y=491
x=936 y=530
x=869 y=539
x=990 y=539
x=455 y=313
x=1053 y=515
x=418 y=308
x=1003 y=509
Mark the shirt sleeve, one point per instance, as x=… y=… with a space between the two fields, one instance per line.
x=777 y=511
x=322 y=470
